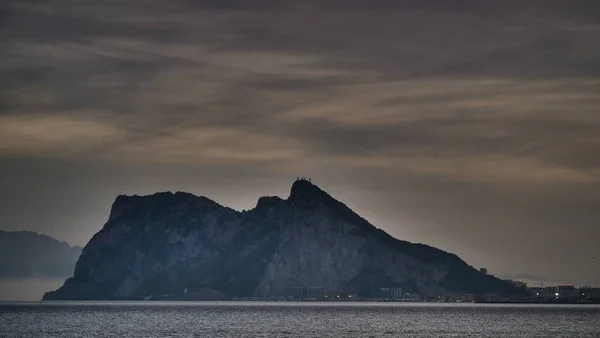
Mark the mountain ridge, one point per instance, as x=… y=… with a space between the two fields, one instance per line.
x=168 y=242
x=28 y=253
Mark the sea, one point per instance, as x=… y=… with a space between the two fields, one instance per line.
x=301 y=319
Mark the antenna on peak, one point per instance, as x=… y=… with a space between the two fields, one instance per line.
x=303 y=179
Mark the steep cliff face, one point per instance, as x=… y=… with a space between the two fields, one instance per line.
x=191 y=247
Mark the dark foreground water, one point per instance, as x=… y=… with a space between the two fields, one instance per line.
x=191 y=319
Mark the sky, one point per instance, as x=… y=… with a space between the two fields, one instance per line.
x=471 y=126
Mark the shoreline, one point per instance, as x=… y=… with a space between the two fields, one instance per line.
x=275 y=301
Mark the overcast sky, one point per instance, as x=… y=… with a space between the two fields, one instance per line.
x=470 y=126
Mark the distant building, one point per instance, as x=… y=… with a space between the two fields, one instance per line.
x=391 y=293
x=537 y=292
x=567 y=292
x=385 y=293
x=586 y=292
x=412 y=297
x=315 y=293
x=552 y=291
x=454 y=297
x=397 y=293
x=307 y=293
x=297 y=293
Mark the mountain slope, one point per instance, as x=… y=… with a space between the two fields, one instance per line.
x=191 y=247
x=28 y=254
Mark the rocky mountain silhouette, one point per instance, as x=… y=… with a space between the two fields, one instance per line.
x=188 y=247
x=28 y=254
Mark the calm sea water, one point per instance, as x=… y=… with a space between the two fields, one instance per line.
x=201 y=319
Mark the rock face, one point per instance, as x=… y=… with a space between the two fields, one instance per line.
x=28 y=254
x=188 y=247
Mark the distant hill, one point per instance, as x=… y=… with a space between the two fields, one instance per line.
x=29 y=254
x=189 y=247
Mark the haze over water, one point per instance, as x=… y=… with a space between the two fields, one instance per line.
x=258 y=319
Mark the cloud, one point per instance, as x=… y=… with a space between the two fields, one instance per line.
x=355 y=84
x=58 y=135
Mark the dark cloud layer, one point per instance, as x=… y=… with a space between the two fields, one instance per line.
x=469 y=125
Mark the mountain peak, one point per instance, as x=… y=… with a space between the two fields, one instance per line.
x=304 y=189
